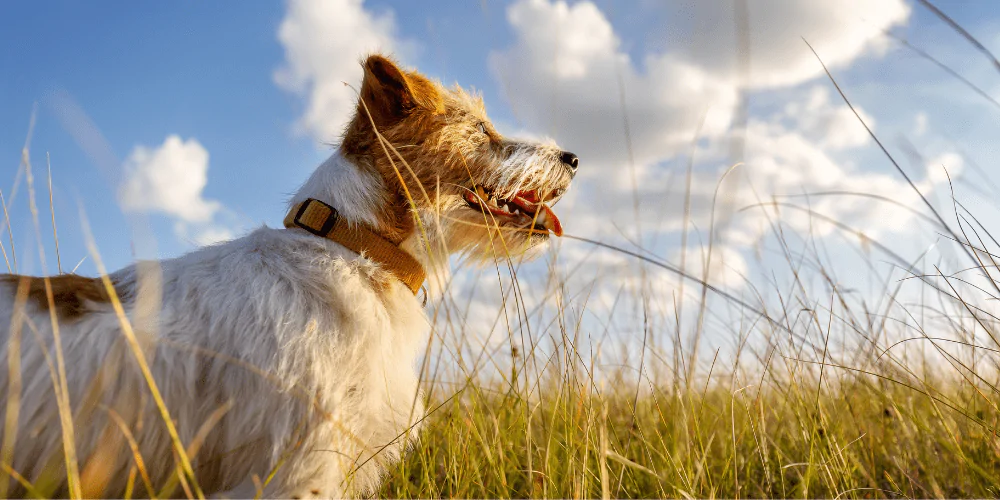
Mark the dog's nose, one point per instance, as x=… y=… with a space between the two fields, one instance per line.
x=570 y=160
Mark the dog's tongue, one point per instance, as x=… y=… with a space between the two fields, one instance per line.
x=545 y=215
x=551 y=221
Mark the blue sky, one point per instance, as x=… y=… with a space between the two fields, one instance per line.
x=221 y=78
x=203 y=71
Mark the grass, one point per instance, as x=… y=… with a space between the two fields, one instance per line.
x=863 y=440
x=892 y=394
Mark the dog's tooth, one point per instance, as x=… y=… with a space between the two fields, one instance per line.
x=540 y=218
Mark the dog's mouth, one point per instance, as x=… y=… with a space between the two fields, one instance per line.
x=526 y=209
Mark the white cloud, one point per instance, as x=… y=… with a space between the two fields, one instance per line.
x=568 y=70
x=840 y=31
x=726 y=266
x=323 y=41
x=562 y=78
x=568 y=74
x=791 y=161
x=943 y=166
x=803 y=157
x=168 y=179
x=203 y=234
x=834 y=127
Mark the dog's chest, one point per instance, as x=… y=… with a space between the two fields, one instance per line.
x=314 y=316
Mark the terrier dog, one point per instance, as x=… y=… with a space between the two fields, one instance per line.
x=280 y=363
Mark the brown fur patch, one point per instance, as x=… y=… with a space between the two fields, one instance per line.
x=70 y=292
x=441 y=145
x=391 y=94
x=427 y=123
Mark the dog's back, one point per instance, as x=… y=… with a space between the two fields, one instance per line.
x=249 y=342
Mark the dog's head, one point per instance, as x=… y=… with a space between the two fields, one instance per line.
x=442 y=157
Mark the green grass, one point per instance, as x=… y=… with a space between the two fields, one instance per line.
x=866 y=439
x=888 y=393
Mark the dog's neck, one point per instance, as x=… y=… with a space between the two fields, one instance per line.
x=356 y=192
x=360 y=196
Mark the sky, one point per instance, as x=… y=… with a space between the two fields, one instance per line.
x=172 y=125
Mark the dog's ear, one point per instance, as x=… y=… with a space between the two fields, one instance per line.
x=391 y=94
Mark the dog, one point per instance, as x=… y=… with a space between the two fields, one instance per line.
x=281 y=363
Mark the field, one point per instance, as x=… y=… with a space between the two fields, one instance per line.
x=829 y=396
x=864 y=439
x=861 y=424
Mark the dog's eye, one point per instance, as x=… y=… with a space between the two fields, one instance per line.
x=481 y=127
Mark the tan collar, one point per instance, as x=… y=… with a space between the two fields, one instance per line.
x=324 y=221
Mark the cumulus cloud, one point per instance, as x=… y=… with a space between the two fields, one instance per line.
x=203 y=234
x=725 y=266
x=566 y=74
x=790 y=161
x=323 y=40
x=803 y=155
x=833 y=126
x=570 y=75
x=840 y=31
x=170 y=180
x=943 y=166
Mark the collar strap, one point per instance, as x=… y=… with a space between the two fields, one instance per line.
x=324 y=221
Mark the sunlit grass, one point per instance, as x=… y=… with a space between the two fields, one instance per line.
x=866 y=439
x=823 y=395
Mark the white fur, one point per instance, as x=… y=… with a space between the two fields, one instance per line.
x=338 y=355
x=535 y=161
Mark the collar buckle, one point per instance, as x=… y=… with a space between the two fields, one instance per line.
x=316 y=217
